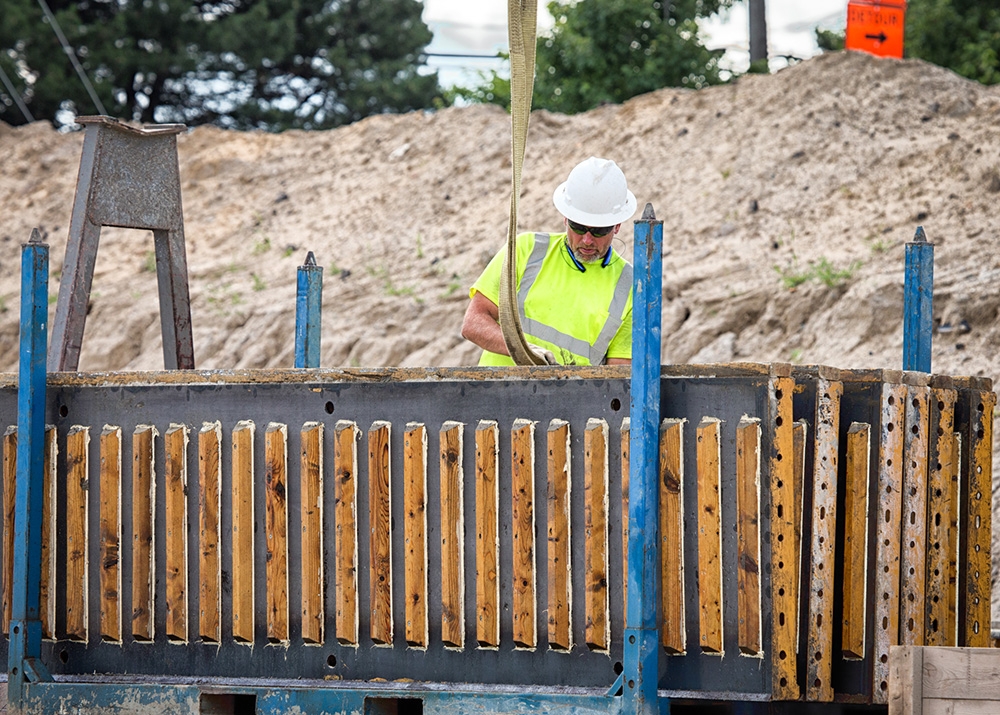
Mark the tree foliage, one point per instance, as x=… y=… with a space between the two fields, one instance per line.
x=603 y=51
x=265 y=64
x=962 y=35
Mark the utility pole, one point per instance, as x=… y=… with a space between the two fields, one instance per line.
x=758 y=35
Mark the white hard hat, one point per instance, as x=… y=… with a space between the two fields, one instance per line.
x=595 y=194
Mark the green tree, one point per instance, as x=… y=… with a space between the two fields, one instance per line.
x=962 y=35
x=609 y=50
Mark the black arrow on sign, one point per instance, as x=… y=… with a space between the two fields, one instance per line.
x=880 y=37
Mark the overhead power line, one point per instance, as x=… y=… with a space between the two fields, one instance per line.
x=71 y=53
x=15 y=96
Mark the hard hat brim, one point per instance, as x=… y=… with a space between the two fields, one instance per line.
x=620 y=214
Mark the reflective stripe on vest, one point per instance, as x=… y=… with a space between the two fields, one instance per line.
x=594 y=353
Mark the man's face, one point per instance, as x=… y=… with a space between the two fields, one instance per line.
x=586 y=247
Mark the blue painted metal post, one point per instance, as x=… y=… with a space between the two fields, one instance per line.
x=25 y=647
x=918 y=303
x=641 y=663
x=308 y=313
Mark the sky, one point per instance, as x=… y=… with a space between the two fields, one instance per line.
x=479 y=27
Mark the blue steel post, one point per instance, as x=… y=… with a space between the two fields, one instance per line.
x=641 y=664
x=308 y=313
x=25 y=647
x=918 y=303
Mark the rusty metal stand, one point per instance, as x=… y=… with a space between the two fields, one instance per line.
x=129 y=178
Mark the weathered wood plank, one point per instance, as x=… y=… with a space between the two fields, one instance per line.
x=906 y=678
x=210 y=530
x=674 y=632
x=9 y=505
x=969 y=674
x=819 y=638
x=77 y=562
x=380 y=519
x=597 y=617
x=311 y=510
x=856 y=541
x=110 y=525
x=979 y=521
x=890 y=485
x=748 y=536
x=276 y=530
x=345 y=496
x=942 y=513
x=709 y=535
x=452 y=535
x=243 y=530
x=143 y=553
x=522 y=441
x=560 y=632
x=415 y=533
x=487 y=535
x=47 y=585
x=784 y=549
x=913 y=553
x=175 y=442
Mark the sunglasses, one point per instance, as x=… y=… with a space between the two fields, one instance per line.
x=596 y=232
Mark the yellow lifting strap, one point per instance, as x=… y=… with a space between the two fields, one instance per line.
x=522 y=21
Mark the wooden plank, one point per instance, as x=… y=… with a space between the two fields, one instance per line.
x=311 y=510
x=415 y=533
x=380 y=519
x=487 y=535
x=111 y=533
x=597 y=614
x=452 y=535
x=47 y=585
x=175 y=442
x=942 y=513
x=784 y=549
x=625 y=437
x=77 y=562
x=559 y=537
x=819 y=638
x=243 y=529
x=748 y=536
x=913 y=553
x=210 y=530
x=856 y=541
x=673 y=636
x=276 y=530
x=906 y=677
x=522 y=448
x=887 y=533
x=9 y=505
x=978 y=521
x=143 y=553
x=709 y=535
x=967 y=674
x=345 y=499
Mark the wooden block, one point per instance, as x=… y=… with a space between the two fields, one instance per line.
x=77 y=562
x=978 y=521
x=9 y=506
x=47 y=586
x=597 y=614
x=311 y=509
x=856 y=541
x=210 y=530
x=906 y=677
x=111 y=528
x=380 y=519
x=559 y=537
x=625 y=436
x=487 y=535
x=345 y=498
x=748 y=536
x=784 y=551
x=913 y=553
x=452 y=536
x=709 y=535
x=819 y=643
x=276 y=530
x=969 y=675
x=941 y=514
x=243 y=529
x=415 y=533
x=522 y=450
x=143 y=553
x=890 y=485
x=674 y=632
x=175 y=442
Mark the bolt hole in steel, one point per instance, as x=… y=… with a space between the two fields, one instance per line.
x=329 y=408
x=616 y=404
x=618 y=668
x=63 y=410
x=331 y=661
x=63 y=656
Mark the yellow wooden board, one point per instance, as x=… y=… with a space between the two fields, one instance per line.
x=487 y=535
x=311 y=516
x=415 y=534
x=210 y=529
x=143 y=553
x=276 y=530
x=748 y=636
x=175 y=444
x=77 y=563
x=560 y=632
x=522 y=449
x=380 y=545
x=110 y=533
x=597 y=619
x=242 y=532
x=345 y=498
x=674 y=632
x=856 y=541
x=452 y=535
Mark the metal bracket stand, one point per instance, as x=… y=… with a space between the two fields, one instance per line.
x=129 y=178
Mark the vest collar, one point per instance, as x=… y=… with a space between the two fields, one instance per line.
x=582 y=268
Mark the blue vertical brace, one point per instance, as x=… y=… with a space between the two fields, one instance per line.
x=25 y=647
x=308 y=313
x=641 y=657
x=918 y=303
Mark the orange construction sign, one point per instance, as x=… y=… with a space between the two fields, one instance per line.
x=876 y=27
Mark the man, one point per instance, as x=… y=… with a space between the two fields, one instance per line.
x=574 y=291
